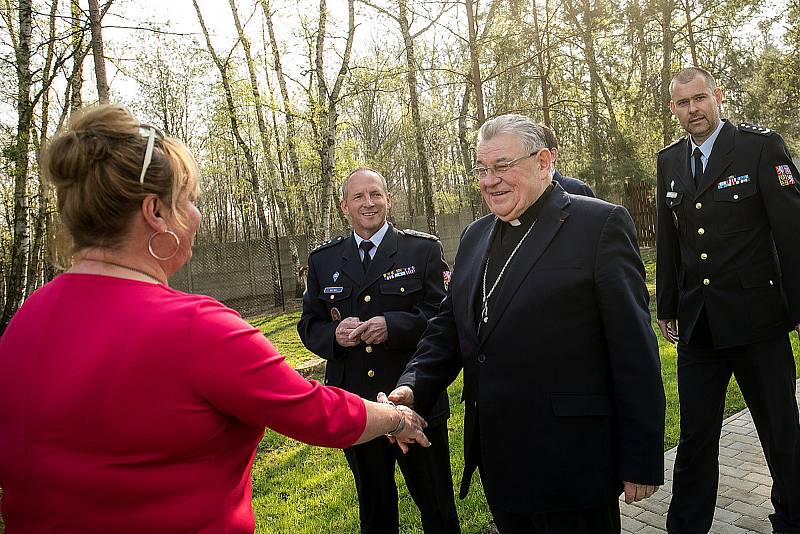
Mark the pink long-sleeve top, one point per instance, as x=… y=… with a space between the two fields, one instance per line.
x=132 y=407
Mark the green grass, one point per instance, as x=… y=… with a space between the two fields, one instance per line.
x=298 y=488
x=281 y=330
x=302 y=489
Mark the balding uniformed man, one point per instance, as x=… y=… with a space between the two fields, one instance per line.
x=368 y=301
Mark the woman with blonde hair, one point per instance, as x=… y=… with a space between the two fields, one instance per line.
x=128 y=406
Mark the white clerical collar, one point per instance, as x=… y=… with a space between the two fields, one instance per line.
x=515 y=222
x=375 y=239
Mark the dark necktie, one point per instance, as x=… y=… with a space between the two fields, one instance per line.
x=366 y=246
x=698 y=165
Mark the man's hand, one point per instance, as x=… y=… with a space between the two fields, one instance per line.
x=412 y=430
x=371 y=331
x=403 y=395
x=344 y=330
x=797 y=329
x=637 y=492
x=668 y=330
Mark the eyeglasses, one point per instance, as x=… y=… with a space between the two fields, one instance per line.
x=150 y=133
x=499 y=169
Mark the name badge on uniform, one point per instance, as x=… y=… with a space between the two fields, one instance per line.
x=785 y=176
x=731 y=181
x=397 y=273
x=332 y=290
x=672 y=194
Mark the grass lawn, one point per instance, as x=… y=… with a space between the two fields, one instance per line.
x=298 y=488
x=302 y=489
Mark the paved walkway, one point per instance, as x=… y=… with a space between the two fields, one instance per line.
x=744 y=485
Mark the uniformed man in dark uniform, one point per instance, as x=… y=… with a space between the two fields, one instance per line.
x=571 y=185
x=728 y=270
x=368 y=300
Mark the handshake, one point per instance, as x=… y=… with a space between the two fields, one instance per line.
x=409 y=429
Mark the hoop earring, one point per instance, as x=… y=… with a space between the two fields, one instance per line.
x=164 y=258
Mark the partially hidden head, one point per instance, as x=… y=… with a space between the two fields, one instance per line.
x=513 y=164
x=119 y=182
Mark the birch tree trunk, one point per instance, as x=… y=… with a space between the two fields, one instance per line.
x=258 y=200
x=16 y=276
x=97 y=51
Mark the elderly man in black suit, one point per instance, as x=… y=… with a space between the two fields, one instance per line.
x=727 y=270
x=547 y=314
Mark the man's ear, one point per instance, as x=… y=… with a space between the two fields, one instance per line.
x=388 y=201
x=545 y=159
x=153 y=211
x=343 y=207
x=672 y=107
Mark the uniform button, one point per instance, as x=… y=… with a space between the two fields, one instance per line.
x=332 y=297
x=735 y=197
x=706 y=281
x=771 y=283
x=402 y=290
x=701 y=231
x=367 y=298
x=698 y=205
x=703 y=256
x=370 y=373
x=481 y=358
x=369 y=348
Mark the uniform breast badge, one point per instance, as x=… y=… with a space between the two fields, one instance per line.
x=785 y=176
x=733 y=180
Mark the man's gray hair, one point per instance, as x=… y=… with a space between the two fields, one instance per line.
x=346 y=181
x=528 y=132
x=690 y=73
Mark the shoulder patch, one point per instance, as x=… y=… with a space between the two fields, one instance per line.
x=680 y=140
x=752 y=128
x=329 y=243
x=416 y=233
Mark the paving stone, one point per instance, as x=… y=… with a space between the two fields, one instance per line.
x=747 y=509
x=652 y=519
x=725 y=528
x=655 y=506
x=743 y=500
x=749 y=497
x=726 y=516
x=754 y=525
x=631 y=525
x=733 y=482
x=729 y=460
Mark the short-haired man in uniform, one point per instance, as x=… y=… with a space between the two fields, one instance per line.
x=368 y=300
x=571 y=185
x=727 y=270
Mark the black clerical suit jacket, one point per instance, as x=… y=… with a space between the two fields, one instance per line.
x=562 y=385
x=572 y=185
x=404 y=283
x=731 y=244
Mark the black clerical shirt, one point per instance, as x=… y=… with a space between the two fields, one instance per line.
x=505 y=238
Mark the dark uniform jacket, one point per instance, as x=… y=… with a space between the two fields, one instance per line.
x=404 y=283
x=563 y=381
x=731 y=244
x=572 y=185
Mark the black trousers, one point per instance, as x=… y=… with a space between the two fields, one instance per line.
x=427 y=475
x=766 y=374
x=600 y=520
